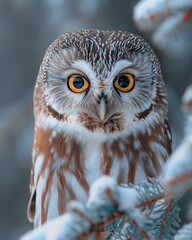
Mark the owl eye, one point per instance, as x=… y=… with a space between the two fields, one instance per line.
x=125 y=82
x=77 y=83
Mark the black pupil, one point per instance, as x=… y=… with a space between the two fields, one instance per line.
x=78 y=82
x=123 y=81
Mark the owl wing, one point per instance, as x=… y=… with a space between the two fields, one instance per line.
x=32 y=200
x=168 y=135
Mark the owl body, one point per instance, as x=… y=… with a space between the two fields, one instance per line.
x=100 y=109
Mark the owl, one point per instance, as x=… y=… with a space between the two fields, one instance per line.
x=100 y=108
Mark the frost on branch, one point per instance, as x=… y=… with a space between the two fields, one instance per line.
x=115 y=212
x=169 y=21
x=178 y=170
x=185 y=233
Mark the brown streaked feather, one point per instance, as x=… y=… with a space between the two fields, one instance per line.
x=121 y=175
x=61 y=194
x=144 y=114
x=44 y=208
x=44 y=143
x=106 y=161
x=150 y=157
x=132 y=171
x=111 y=125
x=55 y=114
x=116 y=151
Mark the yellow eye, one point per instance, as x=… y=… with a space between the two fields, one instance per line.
x=77 y=83
x=125 y=82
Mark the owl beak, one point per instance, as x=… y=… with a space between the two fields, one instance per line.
x=102 y=109
x=102 y=105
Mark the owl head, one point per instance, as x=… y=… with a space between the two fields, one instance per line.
x=102 y=82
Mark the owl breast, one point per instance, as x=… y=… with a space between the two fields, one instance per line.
x=70 y=164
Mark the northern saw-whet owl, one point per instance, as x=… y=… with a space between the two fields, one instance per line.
x=100 y=109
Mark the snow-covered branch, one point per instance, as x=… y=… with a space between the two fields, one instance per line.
x=178 y=170
x=113 y=212
x=167 y=20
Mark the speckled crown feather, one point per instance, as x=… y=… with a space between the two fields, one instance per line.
x=101 y=48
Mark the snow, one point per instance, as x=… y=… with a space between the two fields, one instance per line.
x=97 y=192
x=128 y=199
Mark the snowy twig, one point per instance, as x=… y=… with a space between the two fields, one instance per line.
x=112 y=212
x=164 y=18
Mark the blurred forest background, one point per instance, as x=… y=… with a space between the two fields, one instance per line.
x=27 y=27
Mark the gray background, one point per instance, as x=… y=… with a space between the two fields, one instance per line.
x=27 y=27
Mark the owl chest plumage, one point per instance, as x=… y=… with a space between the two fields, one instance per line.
x=64 y=167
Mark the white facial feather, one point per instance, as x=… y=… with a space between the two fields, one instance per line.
x=64 y=101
